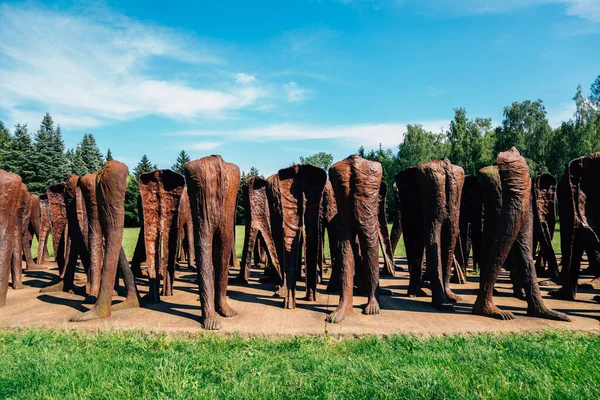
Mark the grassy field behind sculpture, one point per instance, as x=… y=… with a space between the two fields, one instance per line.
x=130 y=236
x=38 y=364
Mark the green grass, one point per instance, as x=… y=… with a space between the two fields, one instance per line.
x=130 y=236
x=39 y=364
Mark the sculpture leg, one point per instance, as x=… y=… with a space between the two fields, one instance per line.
x=132 y=299
x=571 y=277
x=221 y=256
x=206 y=274
x=139 y=255
x=249 y=245
x=347 y=279
x=16 y=265
x=369 y=247
x=169 y=274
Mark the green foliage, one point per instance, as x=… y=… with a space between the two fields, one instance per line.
x=143 y=166
x=17 y=154
x=240 y=218
x=109 y=156
x=61 y=364
x=321 y=159
x=48 y=157
x=182 y=159
x=4 y=140
x=90 y=154
x=132 y=195
x=469 y=142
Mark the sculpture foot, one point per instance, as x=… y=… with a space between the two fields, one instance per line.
x=452 y=298
x=17 y=286
x=290 y=299
x=490 y=310
x=417 y=293
x=311 y=295
x=133 y=302
x=546 y=313
x=339 y=314
x=372 y=307
x=211 y=323
x=92 y=314
x=36 y=267
x=226 y=311
x=57 y=287
x=563 y=293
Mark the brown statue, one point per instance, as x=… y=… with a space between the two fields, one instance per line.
x=356 y=183
x=396 y=231
x=186 y=230
x=470 y=223
x=301 y=188
x=45 y=229
x=544 y=222
x=21 y=216
x=33 y=229
x=513 y=235
x=94 y=235
x=330 y=221
x=161 y=192
x=579 y=196
x=58 y=219
x=10 y=191
x=440 y=187
x=411 y=214
x=276 y=216
x=111 y=185
x=384 y=235
x=212 y=188
x=258 y=227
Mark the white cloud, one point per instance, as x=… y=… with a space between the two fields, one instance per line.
x=205 y=145
x=368 y=135
x=295 y=93
x=92 y=69
x=562 y=113
x=244 y=78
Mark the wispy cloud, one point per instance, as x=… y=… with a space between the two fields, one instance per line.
x=561 y=113
x=295 y=93
x=92 y=69
x=369 y=135
x=205 y=145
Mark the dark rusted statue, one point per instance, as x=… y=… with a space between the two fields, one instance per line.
x=212 y=188
x=331 y=222
x=161 y=192
x=58 y=218
x=579 y=211
x=94 y=235
x=10 y=191
x=440 y=187
x=45 y=229
x=544 y=222
x=513 y=235
x=185 y=239
x=139 y=253
x=411 y=214
x=21 y=216
x=396 y=231
x=33 y=229
x=356 y=183
x=111 y=185
x=258 y=228
x=470 y=223
x=384 y=234
x=276 y=215
x=301 y=188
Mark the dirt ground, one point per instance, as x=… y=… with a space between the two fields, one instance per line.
x=260 y=313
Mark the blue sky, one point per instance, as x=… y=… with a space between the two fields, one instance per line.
x=263 y=82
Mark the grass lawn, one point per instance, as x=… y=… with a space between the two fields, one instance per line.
x=130 y=236
x=37 y=364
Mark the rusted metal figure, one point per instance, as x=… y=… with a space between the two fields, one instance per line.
x=331 y=222
x=45 y=229
x=139 y=253
x=356 y=184
x=470 y=223
x=21 y=216
x=258 y=228
x=161 y=191
x=440 y=187
x=384 y=234
x=579 y=199
x=212 y=188
x=185 y=239
x=58 y=219
x=33 y=229
x=544 y=222
x=10 y=191
x=276 y=215
x=111 y=185
x=94 y=235
x=301 y=188
x=513 y=235
x=396 y=231
x=411 y=214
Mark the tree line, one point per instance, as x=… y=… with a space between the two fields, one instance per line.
x=472 y=143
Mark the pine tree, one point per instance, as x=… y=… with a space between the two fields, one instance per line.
x=76 y=162
x=4 y=140
x=90 y=153
x=49 y=160
x=182 y=159
x=143 y=166
x=109 y=156
x=18 y=154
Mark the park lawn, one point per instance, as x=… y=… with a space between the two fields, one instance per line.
x=130 y=236
x=40 y=364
